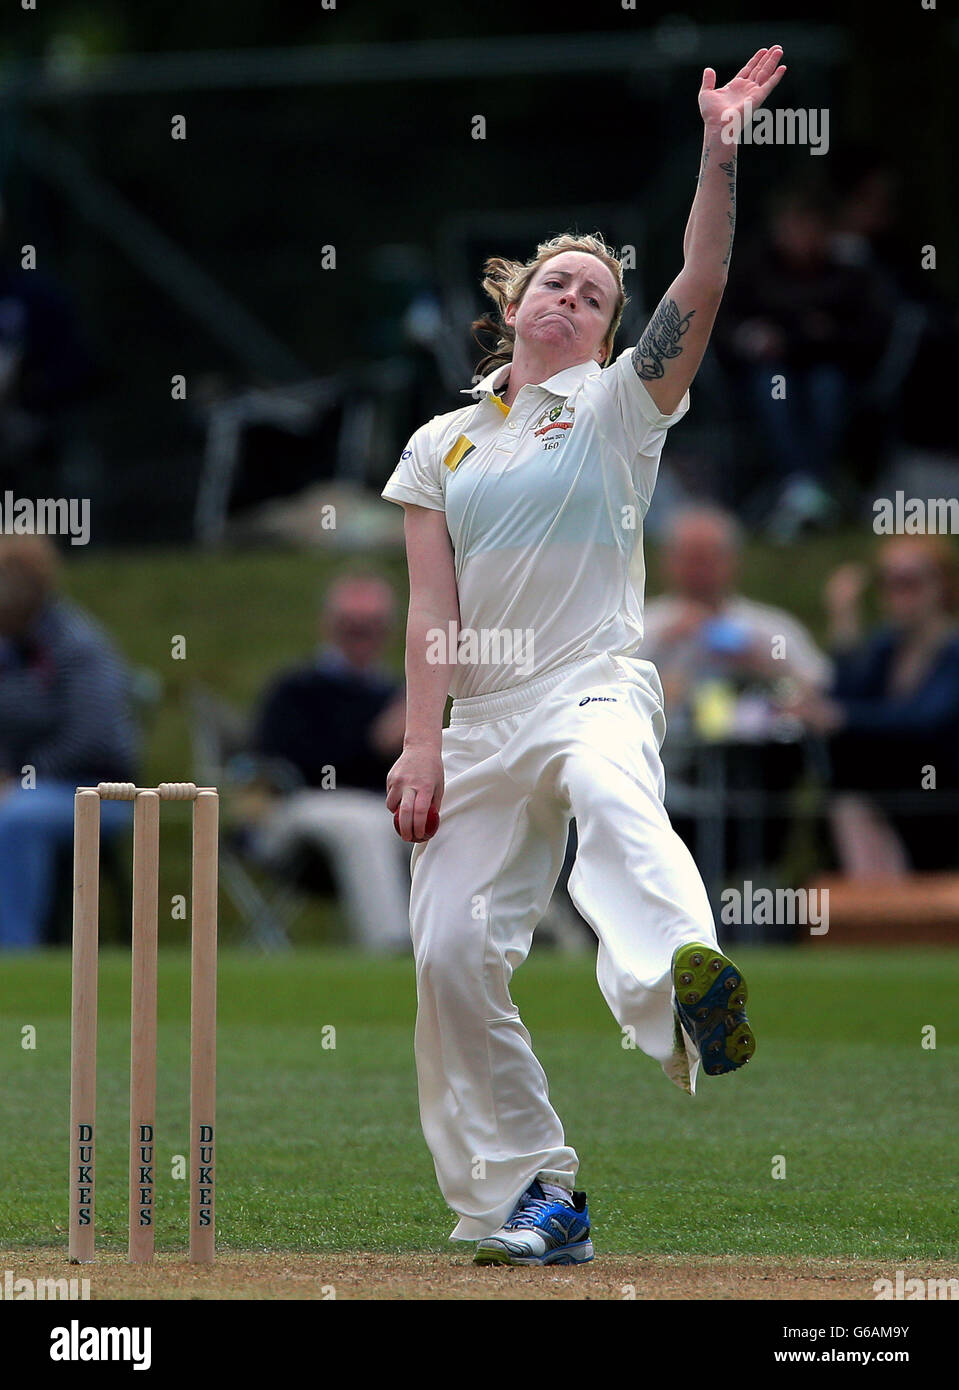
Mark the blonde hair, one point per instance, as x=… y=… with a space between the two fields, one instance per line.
x=507 y=281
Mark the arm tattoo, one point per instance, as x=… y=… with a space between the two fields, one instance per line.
x=660 y=341
x=729 y=169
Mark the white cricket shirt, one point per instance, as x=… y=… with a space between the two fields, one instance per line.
x=544 y=503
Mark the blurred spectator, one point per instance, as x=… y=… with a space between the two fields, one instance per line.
x=65 y=720
x=44 y=371
x=727 y=664
x=893 y=712
x=795 y=308
x=339 y=722
x=702 y=630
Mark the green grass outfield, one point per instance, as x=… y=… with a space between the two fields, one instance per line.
x=320 y=1148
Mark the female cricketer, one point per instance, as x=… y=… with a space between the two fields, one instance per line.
x=522 y=513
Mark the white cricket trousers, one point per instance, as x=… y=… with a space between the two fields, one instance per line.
x=581 y=741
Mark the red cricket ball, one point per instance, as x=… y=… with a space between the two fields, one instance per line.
x=432 y=823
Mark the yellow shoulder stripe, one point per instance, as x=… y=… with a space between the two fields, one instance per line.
x=457 y=454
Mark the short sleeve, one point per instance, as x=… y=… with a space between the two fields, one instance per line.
x=416 y=477
x=641 y=416
x=643 y=424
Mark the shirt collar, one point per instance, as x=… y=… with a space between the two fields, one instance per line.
x=564 y=383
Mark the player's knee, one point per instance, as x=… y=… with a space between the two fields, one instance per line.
x=450 y=964
x=438 y=979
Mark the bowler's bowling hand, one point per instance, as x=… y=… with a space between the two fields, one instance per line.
x=414 y=792
x=432 y=825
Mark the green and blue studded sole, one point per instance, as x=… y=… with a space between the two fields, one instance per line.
x=711 y=997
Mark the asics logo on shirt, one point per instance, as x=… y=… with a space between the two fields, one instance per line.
x=599 y=699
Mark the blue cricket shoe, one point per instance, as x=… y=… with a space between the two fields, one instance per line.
x=710 y=1002
x=545 y=1229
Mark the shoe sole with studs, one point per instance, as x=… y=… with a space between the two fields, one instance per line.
x=711 y=997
